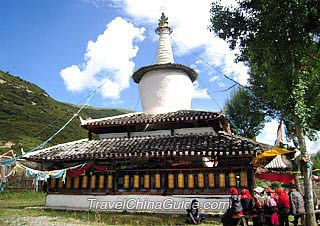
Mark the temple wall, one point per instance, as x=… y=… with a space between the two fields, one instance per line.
x=165 y=91
x=184 y=131
x=137 y=203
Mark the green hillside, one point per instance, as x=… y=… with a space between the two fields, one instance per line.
x=28 y=115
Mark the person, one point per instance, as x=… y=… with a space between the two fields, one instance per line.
x=235 y=209
x=193 y=215
x=316 y=206
x=296 y=203
x=283 y=205
x=258 y=217
x=246 y=202
x=271 y=208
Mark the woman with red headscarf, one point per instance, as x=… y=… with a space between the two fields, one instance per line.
x=246 y=202
x=283 y=205
x=235 y=209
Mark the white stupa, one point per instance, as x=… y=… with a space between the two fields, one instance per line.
x=165 y=86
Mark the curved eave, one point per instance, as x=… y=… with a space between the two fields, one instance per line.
x=193 y=75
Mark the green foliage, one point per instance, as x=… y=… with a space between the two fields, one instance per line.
x=28 y=115
x=245 y=119
x=280 y=42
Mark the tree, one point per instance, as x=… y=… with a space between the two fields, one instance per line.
x=245 y=119
x=280 y=42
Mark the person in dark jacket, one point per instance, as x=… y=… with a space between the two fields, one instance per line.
x=235 y=209
x=193 y=215
x=296 y=203
x=247 y=203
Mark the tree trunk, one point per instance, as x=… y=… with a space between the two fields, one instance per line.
x=307 y=180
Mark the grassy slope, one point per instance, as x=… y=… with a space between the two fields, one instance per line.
x=28 y=115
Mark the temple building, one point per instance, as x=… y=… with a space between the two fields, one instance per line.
x=167 y=152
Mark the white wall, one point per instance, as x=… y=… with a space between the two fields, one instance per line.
x=113 y=135
x=151 y=133
x=175 y=204
x=198 y=130
x=165 y=91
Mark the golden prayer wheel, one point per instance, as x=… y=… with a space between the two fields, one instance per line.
x=53 y=182
x=200 y=180
x=180 y=180
x=101 y=182
x=157 y=178
x=211 y=180
x=68 y=184
x=60 y=183
x=84 y=181
x=136 y=181
x=171 y=181
x=110 y=182
x=243 y=178
x=232 y=179
x=146 y=181
x=190 y=181
x=222 y=180
x=126 y=181
x=76 y=182
x=93 y=182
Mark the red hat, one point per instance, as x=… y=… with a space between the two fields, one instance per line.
x=233 y=191
x=269 y=190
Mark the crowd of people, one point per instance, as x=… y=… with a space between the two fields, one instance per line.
x=266 y=207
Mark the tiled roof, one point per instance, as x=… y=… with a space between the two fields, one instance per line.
x=143 y=70
x=222 y=144
x=143 y=118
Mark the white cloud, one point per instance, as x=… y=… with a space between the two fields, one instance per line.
x=107 y=60
x=214 y=78
x=269 y=133
x=190 y=20
x=199 y=93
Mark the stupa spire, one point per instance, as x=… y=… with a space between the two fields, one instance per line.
x=164 y=52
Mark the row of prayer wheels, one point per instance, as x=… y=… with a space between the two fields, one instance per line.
x=181 y=181
x=84 y=182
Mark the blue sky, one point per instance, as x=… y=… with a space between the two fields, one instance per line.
x=70 y=47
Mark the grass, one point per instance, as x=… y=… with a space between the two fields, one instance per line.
x=14 y=212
